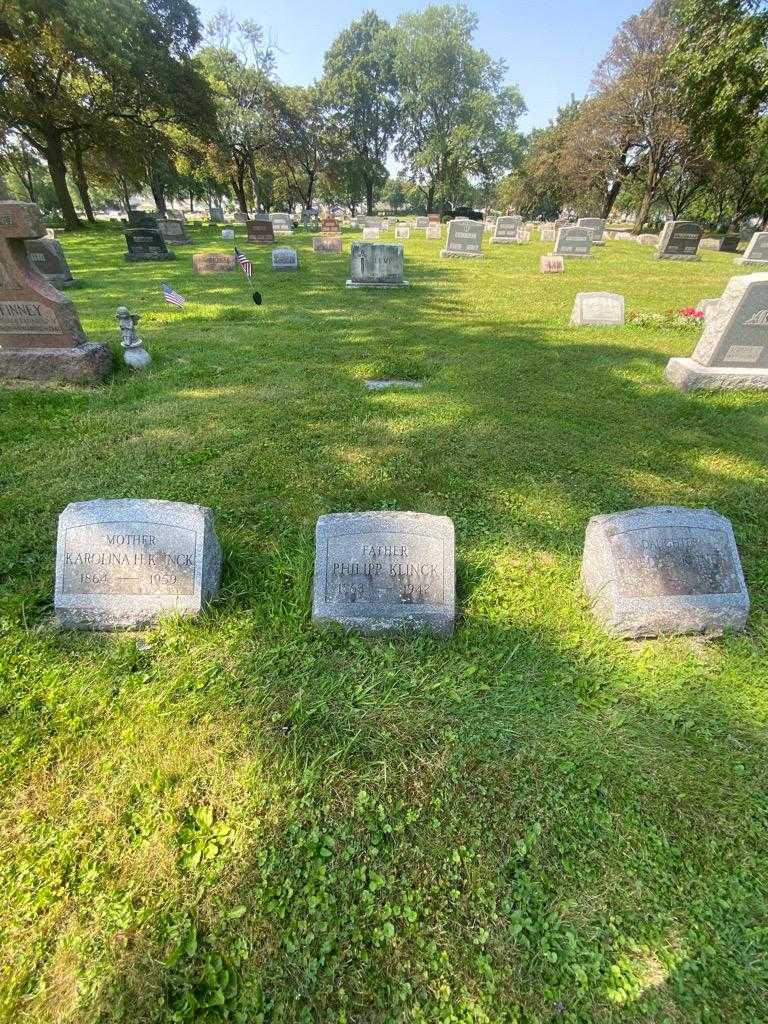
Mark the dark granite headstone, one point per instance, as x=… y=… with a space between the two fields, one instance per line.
x=730 y=243
x=174 y=232
x=47 y=256
x=260 y=231
x=139 y=219
x=573 y=241
x=146 y=245
x=679 y=241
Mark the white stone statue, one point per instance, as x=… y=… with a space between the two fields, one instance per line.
x=134 y=353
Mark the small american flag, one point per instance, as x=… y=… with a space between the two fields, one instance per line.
x=244 y=262
x=173 y=297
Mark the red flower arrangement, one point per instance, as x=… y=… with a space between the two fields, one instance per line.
x=694 y=313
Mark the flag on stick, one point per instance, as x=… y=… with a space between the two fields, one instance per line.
x=245 y=264
x=173 y=297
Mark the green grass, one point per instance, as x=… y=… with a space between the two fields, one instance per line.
x=240 y=818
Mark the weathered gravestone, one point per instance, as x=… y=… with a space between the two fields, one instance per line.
x=547 y=233
x=309 y=220
x=402 y=231
x=465 y=239
x=124 y=563
x=434 y=232
x=228 y=234
x=217 y=215
x=730 y=243
x=371 y=234
x=240 y=217
x=712 y=244
x=376 y=265
x=573 y=242
x=261 y=231
x=598 y=309
x=647 y=239
x=664 y=571
x=380 y=572
x=327 y=243
x=732 y=353
x=282 y=223
x=40 y=333
x=507 y=230
x=212 y=262
x=679 y=241
x=329 y=226
x=139 y=219
x=594 y=224
x=551 y=264
x=756 y=251
x=285 y=258
x=146 y=245
x=174 y=232
x=373 y=222
x=47 y=256
x=421 y=222
x=627 y=236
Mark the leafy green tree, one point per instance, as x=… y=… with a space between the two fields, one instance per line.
x=360 y=88
x=302 y=139
x=457 y=118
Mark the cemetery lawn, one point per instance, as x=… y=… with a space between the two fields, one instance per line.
x=241 y=818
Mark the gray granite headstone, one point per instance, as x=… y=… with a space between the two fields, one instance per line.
x=123 y=563
x=47 y=256
x=282 y=223
x=434 y=231
x=732 y=353
x=421 y=222
x=573 y=241
x=679 y=241
x=174 y=231
x=146 y=245
x=376 y=265
x=594 y=224
x=507 y=229
x=664 y=571
x=378 y=572
x=217 y=215
x=598 y=309
x=757 y=250
x=465 y=238
x=730 y=243
x=285 y=259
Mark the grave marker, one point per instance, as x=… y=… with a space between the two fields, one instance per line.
x=465 y=239
x=217 y=215
x=327 y=243
x=139 y=219
x=679 y=241
x=434 y=232
x=573 y=242
x=285 y=258
x=146 y=245
x=594 y=224
x=380 y=572
x=551 y=265
x=507 y=230
x=260 y=231
x=47 y=256
x=756 y=251
x=174 y=232
x=124 y=563
x=732 y=353
x=213 y=262
x=376 y=265
x=664 y=571
x=282 y=223
x=402 y=231
x=371 y=234
x=598 y=309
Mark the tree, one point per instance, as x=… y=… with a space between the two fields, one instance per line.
x=64 y=81
x=302 y=140
x=456 y=117
x=360 y=89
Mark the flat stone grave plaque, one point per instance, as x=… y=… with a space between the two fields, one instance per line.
x=217 y=215
x=309 y=220
x=598 y=309
x=465 y=238
x=382 y=572
x=41 y=337
x=282 y=223
x=212 y=262
x=507 y=230
x=594 y=224
x=139 y=219
x=551 y=264
x=573 y=242
x=434 y=232
x=174 y=232
x=757 y=249
x=732 y=353
x=392 y=384
x=376 y=265
x=679 y=241
x=402 y=231
x=327 y=243
x=123 y=563
x=146 y=245
x=664 y=571
x=260 y=232
x=47 y=256
x=285 y=258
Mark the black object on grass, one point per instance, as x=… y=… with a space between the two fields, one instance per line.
x=257 y=298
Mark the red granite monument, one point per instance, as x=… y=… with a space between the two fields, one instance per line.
x=40 y=333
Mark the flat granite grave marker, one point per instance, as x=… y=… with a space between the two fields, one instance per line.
x=465 y=239
x=598 y=309
x=41 y=337
x=381 y=572
x=47 y=256
x=732 y=353
x=123 y=563
x=212 y=262
x=594 y=224
x=507 y=230
x=573 y=242
x=664 y=571
x=679 y=241
x=285 y=258
x=174 y=232
x=146 y=245
x=756 y=251
x=551 y=265
x=260 y=231
x=376 y=265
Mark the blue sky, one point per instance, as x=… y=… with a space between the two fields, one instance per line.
x=551 y=48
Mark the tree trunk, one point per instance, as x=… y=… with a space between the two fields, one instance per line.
x=191 y=203
x=238 y=186
x=642 y=214
x=431 y=198
x=81 y=180
x=157 y=186
x=54 y=155
x=126 y=194
x=369 y=196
